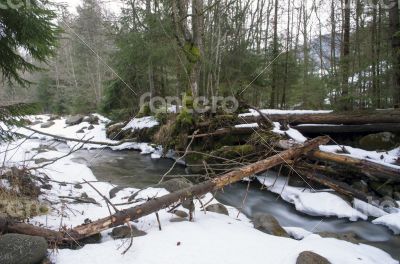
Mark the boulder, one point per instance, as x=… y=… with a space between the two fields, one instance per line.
x=308 y=257
x=382 y=188
x=91 y=127
x=78 y=186
x=269 y=225
x=217 y=208
x=361 y=186
x=74 y=120
x=175 y=185
x=22 y=249
x=181 y=214
x=379 y=141
x=47 y=124
x=396 y=196
x=91 y=119
x=80 y=131
x=126 y=232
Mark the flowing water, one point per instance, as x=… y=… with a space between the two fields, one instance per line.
x=130 y=169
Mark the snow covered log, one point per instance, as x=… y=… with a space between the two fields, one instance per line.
x=352 y=118
x=154 y=205
x=371 y=169
x=339 y=129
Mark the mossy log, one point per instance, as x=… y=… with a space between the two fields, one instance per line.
x=120 y=218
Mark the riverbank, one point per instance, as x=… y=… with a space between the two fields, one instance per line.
x=210 y=238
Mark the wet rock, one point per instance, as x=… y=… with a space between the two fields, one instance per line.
x=95 y=239
x=178 y=220
x=46 y=186
x=78 y=186
x=126 y=232
x=22 y=249
x=308 y=257
x=382 y=188
x=47 y=124
x=349 y=237
x=217 y=208
x=91 y=127
x=361 y=186
x=181 y=214
x=94 y=120
x=74 y=120
x=379 y=141
x=175 y=185
x=269 y=225
x=113 y=192
x=388 y=202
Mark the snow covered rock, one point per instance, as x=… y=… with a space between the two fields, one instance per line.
x=379 y=141
x=74 y=120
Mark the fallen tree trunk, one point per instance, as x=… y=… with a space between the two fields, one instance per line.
x=154 y=205
x=339 y=129
x=371 y=169
x=358 y=118
x=339 y=187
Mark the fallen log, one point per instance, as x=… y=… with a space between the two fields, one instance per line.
x=357 y=118
x=339 y=187
x=154 y=205
x=339 y=129
x=369 y=168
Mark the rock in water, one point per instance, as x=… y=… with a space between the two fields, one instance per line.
x=308 y=257
x=269 y=225
x=126 y=231
x=74 y=120
x=217 y=208
x=380 y=141
x=22 y=249
x=175 y=185
x=382 y=188
x=47 y=124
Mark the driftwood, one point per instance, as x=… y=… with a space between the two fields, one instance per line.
x=154 y=205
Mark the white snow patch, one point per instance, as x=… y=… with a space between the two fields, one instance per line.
x=140 y=123
x=297 y=232
x=309 y=202
x=391 y=220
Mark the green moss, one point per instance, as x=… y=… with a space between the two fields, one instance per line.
x=184 y=121
x=230 y=152
x=192 y=52
x=144 y=110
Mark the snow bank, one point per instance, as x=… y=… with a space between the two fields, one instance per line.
x=391 y=220
x=309 y=202
x=140 y=123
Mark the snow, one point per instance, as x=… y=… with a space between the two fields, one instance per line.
x=140 y=123
x=211 y=238
x=309 y=201
x=391 y=220
x=368 y=209
x=297 y=232
x=251 y=125
x=284 y=112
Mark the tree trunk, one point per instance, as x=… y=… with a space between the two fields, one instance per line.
x=394 y=22
x=154 y=205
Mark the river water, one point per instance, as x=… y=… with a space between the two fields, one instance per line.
x=130 y=169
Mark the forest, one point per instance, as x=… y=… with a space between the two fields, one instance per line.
x=297 y=55
x=199 y=131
